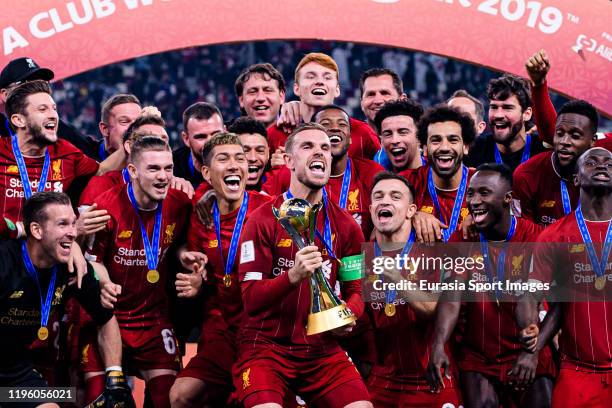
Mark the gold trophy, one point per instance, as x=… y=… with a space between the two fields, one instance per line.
x=327 y=311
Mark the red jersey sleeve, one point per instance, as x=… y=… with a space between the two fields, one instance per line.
x=96 y=186
x=277 y=181
x=103 y=241
x=364 y=141
x=260 y=289
x=544 y=113
x=85 y=166
x=276 y=138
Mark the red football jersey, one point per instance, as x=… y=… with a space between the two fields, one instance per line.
x=585 y=340
x=491 y=331
x=446 y=198
x=404 y=340
x=360 y=189
x=277 y=311
x=364 y=141
x=120 y=248
x=537 y=187
x=67 y=164
x=203 y=239
x=100 y=184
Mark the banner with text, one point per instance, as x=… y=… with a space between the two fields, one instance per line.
x=79 y=35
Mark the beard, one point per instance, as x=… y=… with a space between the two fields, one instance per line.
x=512 y=134
x=38 y=134
x=311 y=184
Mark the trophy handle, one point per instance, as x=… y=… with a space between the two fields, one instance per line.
x=295 y=236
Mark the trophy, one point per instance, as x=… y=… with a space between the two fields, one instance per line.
x=327 y=311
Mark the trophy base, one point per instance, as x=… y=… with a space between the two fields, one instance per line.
x=329 y=319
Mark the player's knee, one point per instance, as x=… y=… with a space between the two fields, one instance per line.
x=184 y=393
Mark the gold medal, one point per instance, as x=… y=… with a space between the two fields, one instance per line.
x=152 y=276
x=43 y=333
x=227 y=280
x=390 y=309
x=600 y=282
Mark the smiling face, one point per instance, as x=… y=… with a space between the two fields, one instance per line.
x=391 y=206
x=398 y=136
x=573 y=136
x=316 y=85
x=261 y=98
x=310 y=158
x=337 y=125
x=199 y=131
x=227 y=172
x=40 y=119
x=57 y=232
x=257 y=155
x=445 y=148
x=151 y=172
x=595 y=171
x=488 y=198
x=376 y=91
x=507 y=119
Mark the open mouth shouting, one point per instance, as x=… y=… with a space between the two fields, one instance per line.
x=317 y=168
x=444 y=161
x=384 y=215
x=65 y=247
x=602 y=176
x=565 y=156
x=480 y=215
x=335 y=139
x=500 y=125
x=253 y=171
x=319 y=91
x=232 y=182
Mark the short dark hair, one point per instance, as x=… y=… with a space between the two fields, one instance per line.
x=376 y=72
x=478 y=105
x=265 y=69
x=331 y=106
x=146 y=119
x=145 y=144
x=245 y=124
x=16 y=102
x=387 y=175
x=505 y=86
x=35 y=207
x=304 y=126
x=399 y=107
x=218 y=139
x=200 y=111
x=502 y=169
x=444 y=113
x=583 y=108
x=118 y=99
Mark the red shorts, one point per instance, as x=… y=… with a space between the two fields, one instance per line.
x=388 y=394
x=265 y=374
x=582 y=389
x=216 y=355
x=472 y=361
x=150 y=348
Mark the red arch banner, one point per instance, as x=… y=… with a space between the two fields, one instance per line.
x=79 y=35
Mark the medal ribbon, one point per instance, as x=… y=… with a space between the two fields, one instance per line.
x=501 y=258
x=599 y=265
x=231 y=255
x=446 y=233
x=126 y=175
x=391 y=294
x=102 y=152
x=23 y=171
x=346 y=183
x=151 y=248
x=567 y=206
x=45 y=306
x=524 y=157
x=326 y=238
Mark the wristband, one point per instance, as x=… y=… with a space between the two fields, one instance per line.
x=351 y=268
x=113 y=368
